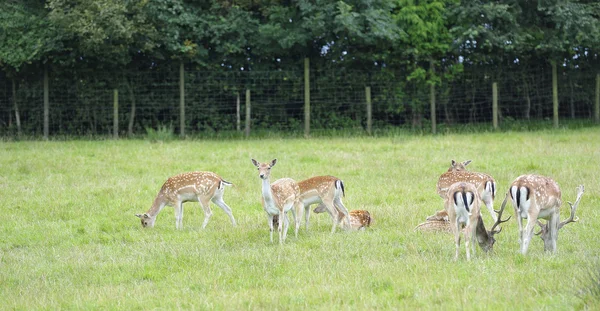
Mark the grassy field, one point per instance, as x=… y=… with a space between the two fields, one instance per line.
x=69 y=238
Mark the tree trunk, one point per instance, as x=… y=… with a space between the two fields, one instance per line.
x=132 y=113
x=16 y=106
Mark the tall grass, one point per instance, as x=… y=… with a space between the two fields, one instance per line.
x=70 y=240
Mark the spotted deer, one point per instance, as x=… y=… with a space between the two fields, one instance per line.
x=485 y=184
x=537 y=197
x=463 y=205
x=359 y=219
x=202 y=187
x=279 y=198
x=328 y=191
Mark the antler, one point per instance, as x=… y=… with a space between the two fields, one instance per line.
x=573 y=218
x=499 y=219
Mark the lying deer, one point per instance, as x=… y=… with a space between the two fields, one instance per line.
x=202 y=187
x=279 y=198
x=463 y=207
x=485 y=184
x=537 y=197
x=328 y=191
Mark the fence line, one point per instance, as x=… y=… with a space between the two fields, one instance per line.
x=339 y=99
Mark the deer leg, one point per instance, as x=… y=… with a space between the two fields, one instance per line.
x=270 y=218
x=280 y=226
x=298 y=206
x=332 y=212
x=468 y=241
x=286 y=224
x=306 y=215
x=553 y=231
x=489 y=203
x=219 y=202
x=519 y=224
x=455 y=229
x=207 y=212
x=178 y=215
x=341 y=208
x=528 y=233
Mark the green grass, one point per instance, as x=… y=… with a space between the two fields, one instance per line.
x=69 y=238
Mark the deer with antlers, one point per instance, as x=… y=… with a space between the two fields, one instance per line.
x=279 y=198
x=328 y=191
x=463 y=205
x=485 y=184
x=537 y=197
x=202 y=187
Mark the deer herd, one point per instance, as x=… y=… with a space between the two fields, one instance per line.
x=534 y=197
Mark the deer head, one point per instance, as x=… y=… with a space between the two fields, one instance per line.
x=485 y=238
x=264 y=169
x=147 y=220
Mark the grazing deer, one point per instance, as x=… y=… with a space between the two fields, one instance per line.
x=463 y=207
x=279 y=198
x=328 y=191
x=201 y=187
x=485 y=238
x=538 y=197
x=485 y=184
x=544 y=232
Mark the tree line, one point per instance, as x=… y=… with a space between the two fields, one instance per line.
x=418 y=47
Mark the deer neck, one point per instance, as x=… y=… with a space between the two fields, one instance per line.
x=159 y=202
x=267 y=192
x=483 y=237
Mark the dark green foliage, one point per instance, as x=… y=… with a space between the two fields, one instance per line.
x=399 y=48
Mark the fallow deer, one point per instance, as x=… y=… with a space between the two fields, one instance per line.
x=544 y=232
x=359 y=219
x=485 y=184
x=463 y=206
x=538 y=197
x=328 y=191
x=202 y=187
x=279 y=198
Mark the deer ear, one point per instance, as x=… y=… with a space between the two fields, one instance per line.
x=466 y=162
x=255 y=162
x=273 y=162
x=453 y=163
x=139 y=215
x=146 y=216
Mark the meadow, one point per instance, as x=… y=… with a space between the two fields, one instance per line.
x=69 y=238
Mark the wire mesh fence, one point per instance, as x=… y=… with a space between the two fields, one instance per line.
x=215 y=101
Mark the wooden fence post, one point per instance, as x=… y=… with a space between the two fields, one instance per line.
x=115 y=114
x=247 y=130
x=181 y=100
x=46 y=104
x=495 y=105
x=306 y=97
x=554 y=95
x=369 y=109
x=432 y=101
